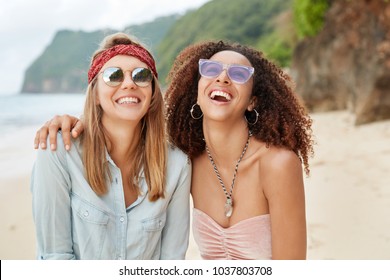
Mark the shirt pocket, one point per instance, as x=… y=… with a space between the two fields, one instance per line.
x=89 y=228
x=151 y=231
x=154 y=224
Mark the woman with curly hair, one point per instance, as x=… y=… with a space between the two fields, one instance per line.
x=234 y=113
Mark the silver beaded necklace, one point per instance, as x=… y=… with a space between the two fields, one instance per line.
x=229 y=196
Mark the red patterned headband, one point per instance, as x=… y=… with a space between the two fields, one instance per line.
x=132 y=50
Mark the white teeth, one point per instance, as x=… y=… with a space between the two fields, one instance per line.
x=128 y=100
x=221 y=93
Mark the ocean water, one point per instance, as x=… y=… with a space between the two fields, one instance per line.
x=21 y=115
x=29 y=110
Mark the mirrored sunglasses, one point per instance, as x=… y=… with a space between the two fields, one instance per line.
x=239 y=74
x=114 y=76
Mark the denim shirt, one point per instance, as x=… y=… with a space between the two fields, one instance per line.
x=72 y=222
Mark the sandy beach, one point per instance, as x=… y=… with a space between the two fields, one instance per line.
x=347 y=193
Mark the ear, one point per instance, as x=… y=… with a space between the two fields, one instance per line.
x=252 y=104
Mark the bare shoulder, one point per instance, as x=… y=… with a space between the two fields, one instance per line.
x=282 y=171
x=284 y=190
x=280 y=159
x=273 y=160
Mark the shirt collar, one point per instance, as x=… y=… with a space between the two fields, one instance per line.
x=110 y=160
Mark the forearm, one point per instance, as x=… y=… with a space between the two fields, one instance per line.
x=175 y=236
x=50 y=186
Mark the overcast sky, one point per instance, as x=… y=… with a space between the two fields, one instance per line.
x=27 y=27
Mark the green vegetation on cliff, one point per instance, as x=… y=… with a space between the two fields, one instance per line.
x=63 y=65
x=246 y=22
x=263 y=24
x=309 y=16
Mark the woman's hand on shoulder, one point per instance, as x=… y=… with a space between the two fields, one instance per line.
x=69 y=125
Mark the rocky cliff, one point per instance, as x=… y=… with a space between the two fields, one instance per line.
x=63 y=65
x=347 y=65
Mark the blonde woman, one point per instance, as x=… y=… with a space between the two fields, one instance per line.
x=121 y=192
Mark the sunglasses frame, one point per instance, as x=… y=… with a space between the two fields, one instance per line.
x=135 y=71
x=226 y=67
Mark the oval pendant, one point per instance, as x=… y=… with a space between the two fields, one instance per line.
x=228 y=208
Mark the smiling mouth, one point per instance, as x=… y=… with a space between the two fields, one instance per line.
x=128 y=100
x=220 y=96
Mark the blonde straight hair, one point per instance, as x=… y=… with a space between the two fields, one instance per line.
x=151 y=155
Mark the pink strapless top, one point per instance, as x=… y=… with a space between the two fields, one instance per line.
x=246 y=240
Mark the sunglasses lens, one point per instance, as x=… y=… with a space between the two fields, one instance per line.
x=239 y=74
x=210 y=69
x=113 y=76
x=142 y=76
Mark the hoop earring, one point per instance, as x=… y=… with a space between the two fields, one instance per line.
x=192 y=112
x=257 y=118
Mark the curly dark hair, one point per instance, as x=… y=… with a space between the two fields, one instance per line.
x=283 y=121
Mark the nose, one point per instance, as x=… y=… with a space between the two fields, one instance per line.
x=223 y=77
x=127 y=81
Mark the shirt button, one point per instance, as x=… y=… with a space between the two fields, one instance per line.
x=160 y=223
x=86 y=213
x=122 y=219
